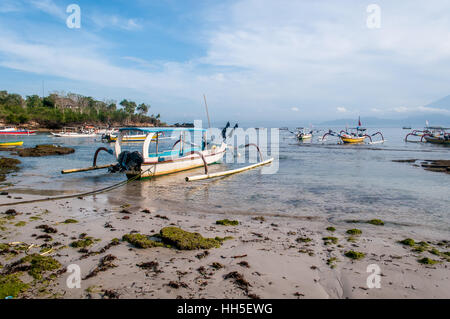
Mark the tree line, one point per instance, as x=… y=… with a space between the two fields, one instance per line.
x=59 y=109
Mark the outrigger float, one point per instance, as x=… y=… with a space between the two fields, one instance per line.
x=431 y=134
x=181 y=156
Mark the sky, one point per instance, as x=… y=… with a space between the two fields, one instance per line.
x=255 y=60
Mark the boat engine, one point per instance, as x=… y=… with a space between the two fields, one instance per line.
x=128 y=161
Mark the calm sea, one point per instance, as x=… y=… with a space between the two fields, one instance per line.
x=337 y=182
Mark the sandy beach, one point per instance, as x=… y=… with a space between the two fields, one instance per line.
x=267 y=257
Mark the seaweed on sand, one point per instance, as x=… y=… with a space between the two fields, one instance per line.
x=174 y=237
x=354 y=255
x=11 y=286
x=35 y=264
x=227 y=222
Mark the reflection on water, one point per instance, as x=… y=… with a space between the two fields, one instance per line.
x=336 y=182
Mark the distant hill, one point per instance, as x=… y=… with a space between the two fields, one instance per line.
x=443 y=103
x=415 y=121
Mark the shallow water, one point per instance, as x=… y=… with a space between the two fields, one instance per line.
x=336 y=182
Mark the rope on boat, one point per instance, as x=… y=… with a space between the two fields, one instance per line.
x=94 y=192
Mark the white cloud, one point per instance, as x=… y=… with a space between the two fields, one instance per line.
x=49 y=7
x=295 y=109
x=260 y=54
x=114 y=21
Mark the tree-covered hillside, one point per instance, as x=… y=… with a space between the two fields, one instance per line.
x=58 y=109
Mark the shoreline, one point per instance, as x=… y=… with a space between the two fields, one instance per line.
x=269 y=257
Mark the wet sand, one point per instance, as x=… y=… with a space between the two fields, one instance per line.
x=273 y=257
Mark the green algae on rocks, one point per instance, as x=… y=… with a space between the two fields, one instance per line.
x=70 y=221
x=20 y=224
x=7 y=166
x=407 y=242
x=376 y=222
x=331 y=229
x=37 y=264
x=44 y=150
x=141 y=241
x=227 y=222
x=354 y=231
x=174 y=237
x=330 y=240
x=82 y=243
x=427 y=261
x=11 y=286
x=184 y=240
x=354 y=254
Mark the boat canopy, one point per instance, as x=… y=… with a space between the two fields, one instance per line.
x=162 y=129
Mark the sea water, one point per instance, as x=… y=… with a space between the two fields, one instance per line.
x=314 y=179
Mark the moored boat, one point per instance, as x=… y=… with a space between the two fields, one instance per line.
x=356 y=135
x=182 y=155
x=11 y=131
x=74 y=132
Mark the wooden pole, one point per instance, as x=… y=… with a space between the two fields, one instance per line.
x=91 y=168
x=225 y=173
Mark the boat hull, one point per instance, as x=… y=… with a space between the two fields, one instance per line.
x=351 y=140
x=304 y=137
x=437 y=140
x=12 y=133
x=11 y=144
x=73 y=135
x=152 y=169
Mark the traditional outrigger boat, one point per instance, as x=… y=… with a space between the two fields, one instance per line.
x=180 y=156
x=131 y=136
x=431 y=134
x=302 y=134
x=74 y=132
x=356 y=135
x=11 y=131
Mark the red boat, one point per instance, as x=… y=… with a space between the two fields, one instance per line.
x=9 y=131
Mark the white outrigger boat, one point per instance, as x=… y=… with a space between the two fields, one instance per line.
x=74 y=132
x=181 y=156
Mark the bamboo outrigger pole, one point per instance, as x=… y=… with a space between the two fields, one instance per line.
x=90 y=168
x=225 y=173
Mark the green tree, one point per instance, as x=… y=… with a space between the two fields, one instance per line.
x=33 y=101
x=143 y=108
x=129 y=106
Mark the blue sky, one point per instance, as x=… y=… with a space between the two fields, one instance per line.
x=263 y=60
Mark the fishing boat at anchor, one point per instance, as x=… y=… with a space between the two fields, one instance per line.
x=430 y=134
x=11 y=131
x=356 y=135
x=168 y=157
x=74 y=132
x=182 y=155
x=131 y=136
x=302 y=134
